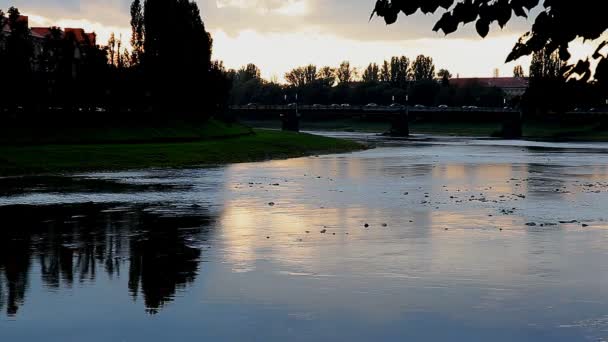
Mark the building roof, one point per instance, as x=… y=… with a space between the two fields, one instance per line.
x=21 y=19
x=499 y=82
x=81 y=37
x=40 y=32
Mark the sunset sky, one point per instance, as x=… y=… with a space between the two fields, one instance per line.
x=278 y=35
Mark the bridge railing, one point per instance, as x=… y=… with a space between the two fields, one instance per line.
x=394 y=109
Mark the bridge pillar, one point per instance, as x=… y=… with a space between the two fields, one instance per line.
x=290 y=121
x=512 y=125
x=400 y=126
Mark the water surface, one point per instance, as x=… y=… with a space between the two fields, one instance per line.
x=467 y=239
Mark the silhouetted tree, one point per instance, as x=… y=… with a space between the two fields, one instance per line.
x=545 y=65
x=345 y=74
x=385 y=72
x=177 y=58
x=112 y=49
x=445 y=76
x=137 y=32
x=17 y=65
x=327 y=76
x=371 y=73
x=296 y=77
x=423 y=68
x=518 y=72
x=249 y=72
x=399 y=71
x=555 y=27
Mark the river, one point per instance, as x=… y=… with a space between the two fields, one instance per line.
x=425 y=239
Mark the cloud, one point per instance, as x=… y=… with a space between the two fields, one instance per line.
x=281 y=7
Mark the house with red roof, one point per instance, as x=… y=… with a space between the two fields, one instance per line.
x=41 y=35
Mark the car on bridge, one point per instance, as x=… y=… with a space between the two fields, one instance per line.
x=292 y=105
x=335 y=105
x=345 y=105
x=442 y=107
x=316 y=105
x=396 y=105
x=419 y=106
x=371 y=105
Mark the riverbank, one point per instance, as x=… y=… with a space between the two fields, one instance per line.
x=256 y=145
x=531 y=130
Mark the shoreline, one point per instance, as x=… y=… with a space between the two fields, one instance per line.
x=262 y=145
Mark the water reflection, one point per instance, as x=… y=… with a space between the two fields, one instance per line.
x=461 y=236
x=160 y=247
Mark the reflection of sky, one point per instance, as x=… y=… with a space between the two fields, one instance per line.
x=264 y=276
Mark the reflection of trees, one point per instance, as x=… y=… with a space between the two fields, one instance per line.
x=15 y=266
x=75 y=242
x=162 y=260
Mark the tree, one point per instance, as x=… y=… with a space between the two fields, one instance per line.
x=119 y=55
x=310 y=74
x=17 y=68
x=557 y=25
x=176 y=58
x=545 y=65
x=385 y=72
x=249 y=72
x=399 y=71
x=327 y=76
x=345 y=74
x=518 y=72
x=423 y=68
x=371 y=73
x=137 y=32
x=112 y=49
x=296 y=77
x=445 y=76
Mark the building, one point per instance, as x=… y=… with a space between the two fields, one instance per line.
x=512 y=86
x=40 y=36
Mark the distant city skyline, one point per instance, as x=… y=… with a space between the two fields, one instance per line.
x=278 y=35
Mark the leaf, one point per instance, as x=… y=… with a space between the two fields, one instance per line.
x=597 y=54
x=390 y=17
x=483 y=27
x=448 y=24
x=408 y=7
x=446 y=3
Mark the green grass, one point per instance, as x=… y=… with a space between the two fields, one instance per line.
x=170 y=132
x=261 y=145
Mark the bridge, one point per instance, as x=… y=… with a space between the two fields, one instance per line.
x=398 y=115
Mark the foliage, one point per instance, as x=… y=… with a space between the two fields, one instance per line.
x=518 y=72
x=345 y=74
x=423 y=68
x=371 y=73
x=557 y=25
x=445 y=76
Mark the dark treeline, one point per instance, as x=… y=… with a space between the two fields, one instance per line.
x=394 y=78
x=548 y=90
x=167 y=75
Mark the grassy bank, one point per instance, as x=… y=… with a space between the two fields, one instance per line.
x=531 y=130
x=260 y=145
x=167 y=132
